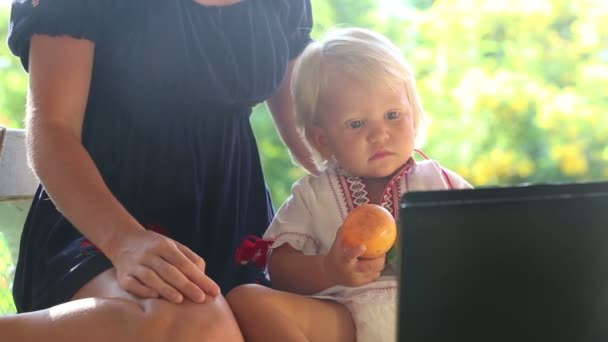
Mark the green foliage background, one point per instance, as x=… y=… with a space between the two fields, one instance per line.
x=516 y=91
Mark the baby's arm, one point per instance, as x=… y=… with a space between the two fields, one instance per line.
x=293 y=271
x=301 y=260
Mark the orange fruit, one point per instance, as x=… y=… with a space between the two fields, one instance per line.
x=370 y=225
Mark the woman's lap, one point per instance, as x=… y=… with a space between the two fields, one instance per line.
x=179 y=321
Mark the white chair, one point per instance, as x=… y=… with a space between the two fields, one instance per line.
x=17 y=181
x=17 y=187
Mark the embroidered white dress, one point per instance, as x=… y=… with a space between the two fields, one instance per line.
x=311 y=216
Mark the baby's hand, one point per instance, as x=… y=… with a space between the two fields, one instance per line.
x=343 y=264
x=151 y=265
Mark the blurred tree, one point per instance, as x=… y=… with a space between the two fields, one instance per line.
x=13 y=82
x=515 y=91
x=6 y=273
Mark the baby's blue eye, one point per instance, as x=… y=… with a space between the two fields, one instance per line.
x=392 y=115
x=356 y=123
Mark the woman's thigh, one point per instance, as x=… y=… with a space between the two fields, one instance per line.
x=105 y=285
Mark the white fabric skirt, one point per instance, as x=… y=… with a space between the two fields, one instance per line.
x=375 y=322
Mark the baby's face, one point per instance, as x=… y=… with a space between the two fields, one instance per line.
x=368 y=127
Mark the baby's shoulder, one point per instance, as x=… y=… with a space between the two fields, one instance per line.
x=314 y=188
x=430 y=174
x=427 y=167
x=316 y=182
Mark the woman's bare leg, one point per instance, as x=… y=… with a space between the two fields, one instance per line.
x=269 y=315
x=102 y=311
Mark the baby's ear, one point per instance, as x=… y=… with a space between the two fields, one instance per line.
x=317 y=137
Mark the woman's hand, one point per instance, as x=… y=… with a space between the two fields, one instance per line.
x=301 y=153
x=283 y=112
x=343 y=266
x=151 y=265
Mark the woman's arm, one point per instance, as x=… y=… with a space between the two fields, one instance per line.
x=283 y=111
x=147 y=263
x=60 y=74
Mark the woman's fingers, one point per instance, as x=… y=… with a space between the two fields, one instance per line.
x=163 y=267
x=150 y=278
x=193 y=272
x=207 y=284
x=175 y=278
x=195 y=258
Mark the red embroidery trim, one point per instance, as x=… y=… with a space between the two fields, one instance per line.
x=422 y=154
x=335 y=195
x=447 y=179
x=354 y=190
x=445 y=174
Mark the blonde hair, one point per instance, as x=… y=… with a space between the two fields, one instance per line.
x=356 y=52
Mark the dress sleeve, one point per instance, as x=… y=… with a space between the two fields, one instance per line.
x=293 y=223
x=81 y=19
x=299 y=26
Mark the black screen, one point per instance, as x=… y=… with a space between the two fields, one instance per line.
x=526 y=263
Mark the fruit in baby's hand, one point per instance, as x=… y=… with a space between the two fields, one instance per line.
x=370 y=225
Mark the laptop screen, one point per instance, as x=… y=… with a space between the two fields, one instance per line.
x=523 y=263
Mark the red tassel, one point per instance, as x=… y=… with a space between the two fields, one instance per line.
x=253 y=249
x=87 y=246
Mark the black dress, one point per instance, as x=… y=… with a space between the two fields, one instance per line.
x=167 y=124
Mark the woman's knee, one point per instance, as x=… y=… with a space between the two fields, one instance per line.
x=209 y=321
x=157 y=319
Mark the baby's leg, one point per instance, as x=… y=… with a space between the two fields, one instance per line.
x=265 y=314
